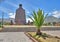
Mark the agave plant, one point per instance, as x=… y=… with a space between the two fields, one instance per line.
x=38 y=20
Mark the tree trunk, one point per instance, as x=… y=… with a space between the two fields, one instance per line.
x=38 y=32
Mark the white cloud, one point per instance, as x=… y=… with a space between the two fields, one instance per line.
x=12 y=15
x=49 y=13
x=55 y=13
x=28 y=12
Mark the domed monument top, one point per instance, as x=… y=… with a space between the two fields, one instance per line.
x=20 y=5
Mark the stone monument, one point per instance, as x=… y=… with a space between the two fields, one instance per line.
x=20 y=17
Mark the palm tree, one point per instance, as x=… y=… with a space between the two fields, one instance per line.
x=38 y=20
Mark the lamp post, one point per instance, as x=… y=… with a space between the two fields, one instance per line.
x=2 y=18
x=2 y=13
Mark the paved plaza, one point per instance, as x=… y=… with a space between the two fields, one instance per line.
x=13 y=37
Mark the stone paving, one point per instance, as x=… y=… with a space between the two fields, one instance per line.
x=53 y=33
x=13 y=37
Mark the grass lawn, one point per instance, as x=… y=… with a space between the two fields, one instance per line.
x=48 y=38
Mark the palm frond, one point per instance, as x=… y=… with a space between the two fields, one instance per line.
x=31 y=18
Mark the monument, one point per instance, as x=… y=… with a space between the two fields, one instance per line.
x=20 y=17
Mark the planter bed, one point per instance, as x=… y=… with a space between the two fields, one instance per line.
x=44 y=38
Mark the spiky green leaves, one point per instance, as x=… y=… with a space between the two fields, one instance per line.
x=38 y=18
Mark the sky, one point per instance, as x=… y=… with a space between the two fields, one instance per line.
x=8 y=7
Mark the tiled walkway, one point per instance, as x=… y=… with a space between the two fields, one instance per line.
x=13 y=37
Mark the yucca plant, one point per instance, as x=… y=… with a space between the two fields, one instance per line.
x=38 y=20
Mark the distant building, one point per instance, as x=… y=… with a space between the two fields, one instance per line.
x=5 y=20
x=20 y=17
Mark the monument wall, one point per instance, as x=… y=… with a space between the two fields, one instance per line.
x=20 y=17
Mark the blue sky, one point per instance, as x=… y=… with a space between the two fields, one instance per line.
x=9 y=7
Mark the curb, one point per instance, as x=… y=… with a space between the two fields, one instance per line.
x=33 y=40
